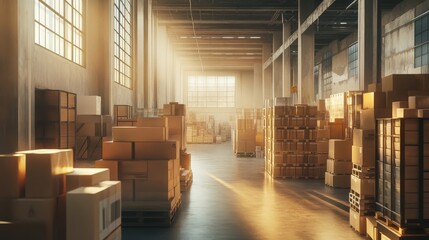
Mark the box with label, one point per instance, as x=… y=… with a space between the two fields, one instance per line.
x=45 y=169
x=85 y=177
x=156 y=150
x=88 y=105
x=12 y=175
x=117 y=150
x=138 y=134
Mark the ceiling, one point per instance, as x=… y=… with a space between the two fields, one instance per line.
x=229 y=34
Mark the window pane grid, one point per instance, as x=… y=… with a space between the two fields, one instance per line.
x=58 y=30
x=211 y=91
x=327 y=74
x=123 y=42
x=421 y=41
x=353 y=60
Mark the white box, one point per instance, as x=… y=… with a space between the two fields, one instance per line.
x=88 y=105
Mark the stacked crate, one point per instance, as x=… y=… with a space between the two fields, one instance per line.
x=291 y=141
x=123 y=115
x=55 y=119
x=245 y=140
x=362 y=192
x=268 y=141
x=147 y=163
x=354 y=105
x=339 y=163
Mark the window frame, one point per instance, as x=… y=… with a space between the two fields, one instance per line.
x=51 y=33
x=421 y=40
x=211 y=91
x=353 y=60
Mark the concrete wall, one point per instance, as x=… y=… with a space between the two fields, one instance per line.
x=341 y=81
x=398 y=38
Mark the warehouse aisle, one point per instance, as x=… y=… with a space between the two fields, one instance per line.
x=232 y=199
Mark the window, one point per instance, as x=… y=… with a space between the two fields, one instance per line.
x=421 y=41
x=122 y=31
x=353 y=60
x=59 y=27
x=211 y=91
x=327 y=74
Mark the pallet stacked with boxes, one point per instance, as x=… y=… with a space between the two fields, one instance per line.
x=147 y=163
x=38 y=193
x=201 y=130
x=91 y=127
x=175 y=114
x=55 y=119
x=292 y=142
x=362 y=190
x=245 y=137
x=323 y=135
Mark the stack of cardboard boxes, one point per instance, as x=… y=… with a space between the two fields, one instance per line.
x=37 y=201
x=323 y=135
x=245 y=137
x=339 y=163
x=123 y=115
x=91 y=127
x=225 y=131
x=202 y=131
x=362 y=192
x=354 y=105
x=147 y=163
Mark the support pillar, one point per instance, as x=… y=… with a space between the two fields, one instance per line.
x=287 y=70
x=258 y=100
x=267 y=77
x=305 y=54
x=277 y=66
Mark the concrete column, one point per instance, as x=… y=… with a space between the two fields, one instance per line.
x=140 y=58
x=277 y=66
x=258 y=99
x=367 y=40
x=305 y=55
x=267 y=76
x=146 y=51
x=287 y=71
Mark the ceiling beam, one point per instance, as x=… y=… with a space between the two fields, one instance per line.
x=197 y=21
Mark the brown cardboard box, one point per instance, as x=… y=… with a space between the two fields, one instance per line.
x=176 y=125
x=322 y=147
x=338 y=167
x=143 y=192
x=45 y=169
x=134 y=169
x=364 y=187
x=400 y=83
x=127 y=190
x=156 y=150
x=169 y=110
x=406 y=113
x=340 y=149
x=357 y=221
x=336 y=130
x=371 y=228
x=86 y=177
x=117 y=150
x=364 y=138
x=152 y=122
x=363 y=156
x=98 y=213
x=323 y=133
x=12 y=175
x=23 y=230
x=423 y=113
x=374 y=100
x=418 y=102
x=340 y=181
x=241 y=146
x=138 y=134
x=112 y=165
x=185 y=161
x=368 y=117
x=43 y=211
x=321 y=106
x=396 y=105
x=115 y=235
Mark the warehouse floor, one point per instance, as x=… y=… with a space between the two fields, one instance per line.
x=232 y=198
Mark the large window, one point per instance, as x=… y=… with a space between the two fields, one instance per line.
x=327 y=74
x=353 y=60
x=59 y=26
x=123 y=42
x=211 y=91
x=421 y=41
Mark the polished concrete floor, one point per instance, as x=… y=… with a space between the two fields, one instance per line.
x=232 y=198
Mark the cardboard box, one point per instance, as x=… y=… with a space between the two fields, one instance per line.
x=86 y=177
x=46 y=212
x=143 y=192
x=117 y=150
x=152 y=122
x=368 y=117
x=406 y=113
x=99 y=211
x=127 y=189
x=357 y=221
x=400 y=83
x=396 y=105
x=156 y=150
x=176 y=125
x=374 y=100
x=364 y=138
x=88 y=105
x=22 y=230
x=116 y=234
x=340 y=149
x=185 y=161
x=423 y=113
x=112 y=165
x=134 y=169
x=339 y=167
x=336 y=130
x=45 y=169
x=322 y=146
x=12 y=175
x=321 y=106
x=364 y=187
x=339 y=181
x=374 y=87
x=363 y=156
x=371 y=228
x=138 y=134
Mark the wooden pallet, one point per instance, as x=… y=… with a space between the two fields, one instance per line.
x=150 y=217
x=244 y=154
